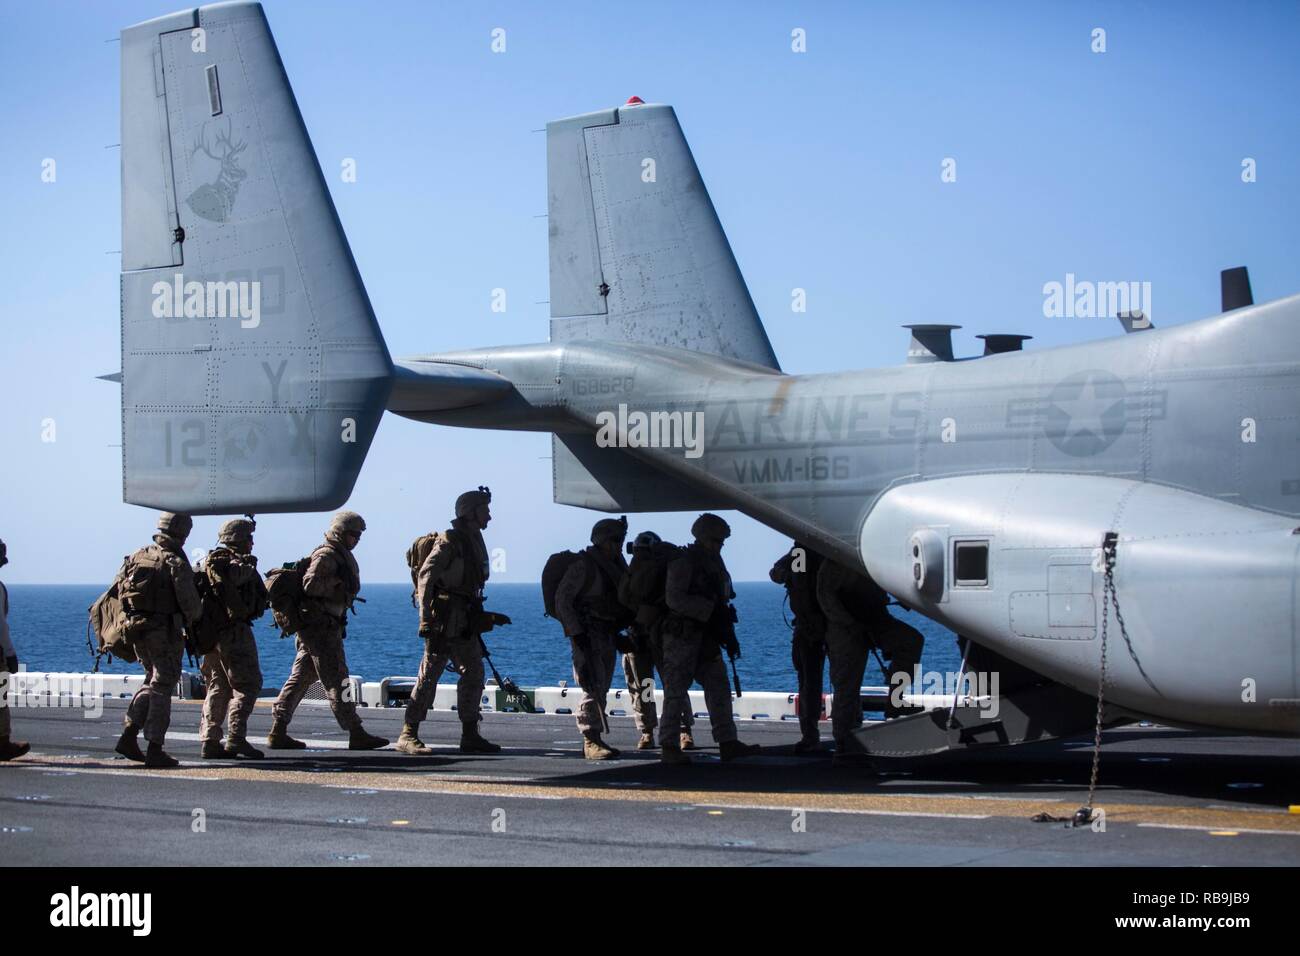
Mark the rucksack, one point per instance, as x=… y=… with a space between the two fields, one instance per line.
x=647 y=578
x=284 y=592
x=113 y=625
x=553 y=573
x=215 y=617
x=144 y=586
x=415 y=555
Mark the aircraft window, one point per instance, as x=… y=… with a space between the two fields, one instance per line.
x=970 y=563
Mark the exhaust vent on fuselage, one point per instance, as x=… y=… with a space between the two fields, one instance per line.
x=995 y=343
x=930 y=343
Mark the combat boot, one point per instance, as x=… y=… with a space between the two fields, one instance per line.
x=672 y=755
x=410 y=743
x=472 y=743
x=240 y=747
x=159 y=759
x=215 y=750
x=279 y=739
x=687 y=741
x=359 y=739
x=808 y=743
x=9 y=749
x=735 y=750
x=593 y=748
x=128 y=745
x=647 y=741
x=848 y=755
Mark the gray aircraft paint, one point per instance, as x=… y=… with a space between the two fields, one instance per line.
x=217 y=417
x=1037 y=454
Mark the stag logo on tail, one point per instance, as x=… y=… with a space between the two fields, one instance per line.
x=216 y=199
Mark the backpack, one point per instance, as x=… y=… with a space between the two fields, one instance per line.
x=284 y=592
x=647 y=579
x=144 y=586
x=415 y=555
x=113 y=624
x=553 y=573
x=215 y=616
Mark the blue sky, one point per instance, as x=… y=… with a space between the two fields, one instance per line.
x=824 y=167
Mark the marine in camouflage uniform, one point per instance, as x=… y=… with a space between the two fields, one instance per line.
x=857 y=618
x=797 y=572
x=231 y=669
x=698 y=592
x=449 y=592
x=642 y=592
x=176 y=604
x=9 y=749
x=330 y=585
x=588 y=606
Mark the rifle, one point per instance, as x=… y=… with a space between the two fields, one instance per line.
x=722 y=628
x=481 y=621
x=505 y=683
x=191 y=648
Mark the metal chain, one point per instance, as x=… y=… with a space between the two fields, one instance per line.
x=1109 y=597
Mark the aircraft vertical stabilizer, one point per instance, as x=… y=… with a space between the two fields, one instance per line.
x=637 y=251
x=254 y=374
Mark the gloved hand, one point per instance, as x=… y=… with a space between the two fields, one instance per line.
x=11 y=663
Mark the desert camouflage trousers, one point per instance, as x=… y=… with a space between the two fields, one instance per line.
x=150 y=709
x=234 y=679
x=320 y=657
x=593 y=671
x=6 y=688
x=638 y=671
x=682 y=667
x=466 y=655
x=847 y=649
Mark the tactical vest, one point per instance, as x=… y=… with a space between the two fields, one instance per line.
x=476 y=569
x=604 y=607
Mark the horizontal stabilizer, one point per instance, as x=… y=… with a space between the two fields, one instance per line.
x=607 y=479
x=254 y=373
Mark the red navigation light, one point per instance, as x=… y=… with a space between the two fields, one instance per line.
x=634 y=101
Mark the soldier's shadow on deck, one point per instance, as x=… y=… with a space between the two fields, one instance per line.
x=1048 y=771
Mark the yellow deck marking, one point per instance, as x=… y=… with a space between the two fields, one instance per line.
x=957 y=806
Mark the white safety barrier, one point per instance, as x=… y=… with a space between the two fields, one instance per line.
x=47 y=685
x=562 y=699
x=40 y=688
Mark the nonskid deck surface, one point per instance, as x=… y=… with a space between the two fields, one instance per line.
x=1172 y=797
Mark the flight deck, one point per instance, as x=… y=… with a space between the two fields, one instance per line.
x=1172 y=797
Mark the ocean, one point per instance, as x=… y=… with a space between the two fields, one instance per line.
x=48 y=624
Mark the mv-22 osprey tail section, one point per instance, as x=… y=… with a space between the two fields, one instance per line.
x=979 y=492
